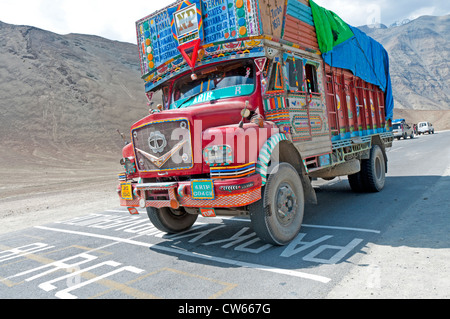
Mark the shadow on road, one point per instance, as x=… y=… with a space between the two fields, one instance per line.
x=411 y=211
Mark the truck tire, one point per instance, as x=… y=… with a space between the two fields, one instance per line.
x=373 y=170
x=356 y=183
x=171 y=220
x=278 y=216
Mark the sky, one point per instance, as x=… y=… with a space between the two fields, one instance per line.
x=115 y=20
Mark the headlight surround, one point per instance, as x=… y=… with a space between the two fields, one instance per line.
x=218 y=155
x=129 y=165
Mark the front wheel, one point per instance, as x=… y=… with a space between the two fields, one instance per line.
x=171 y=220
x=278 y=216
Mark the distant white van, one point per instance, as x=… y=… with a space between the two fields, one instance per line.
x=425 y=127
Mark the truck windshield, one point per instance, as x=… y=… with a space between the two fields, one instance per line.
x=215 y=82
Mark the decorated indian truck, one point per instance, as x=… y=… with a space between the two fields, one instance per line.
x=259 y=97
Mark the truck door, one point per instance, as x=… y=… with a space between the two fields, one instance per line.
x=297 y=98
x=274 y=99
x=306 y=104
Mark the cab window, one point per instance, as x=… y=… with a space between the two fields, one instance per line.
x=311 y=78
x=294 y=72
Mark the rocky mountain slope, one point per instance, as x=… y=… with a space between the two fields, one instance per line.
x=419 y=54
x=67 y=90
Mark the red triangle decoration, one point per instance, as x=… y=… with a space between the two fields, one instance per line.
x=184 y=48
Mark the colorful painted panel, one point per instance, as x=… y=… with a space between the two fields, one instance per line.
x=279 y=117
x=213 y=21
x=208 y=54
x=274 y=102
x=156 y=41
x=187 y=22
x=310 y=121
x=300 y=125
x=319 y=126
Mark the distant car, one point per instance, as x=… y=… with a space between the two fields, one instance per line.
x=402 y=130
x=425 y=127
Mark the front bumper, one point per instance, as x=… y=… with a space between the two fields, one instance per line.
x=228 y=193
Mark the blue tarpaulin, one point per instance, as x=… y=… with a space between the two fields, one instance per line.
x=367 y=59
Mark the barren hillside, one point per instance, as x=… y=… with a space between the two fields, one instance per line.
x=419 y=53
x=66 y=91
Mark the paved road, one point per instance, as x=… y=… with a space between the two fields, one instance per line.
x=391 y=244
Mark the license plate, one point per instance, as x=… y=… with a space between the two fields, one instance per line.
x=202 y=189
x=127 y=191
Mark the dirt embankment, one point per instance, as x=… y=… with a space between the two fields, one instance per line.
x=440 y=119
x=41 y=185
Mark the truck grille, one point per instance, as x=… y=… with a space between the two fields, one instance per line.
x=163 y=145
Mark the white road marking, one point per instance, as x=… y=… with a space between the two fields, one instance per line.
x=343 y=228
x=195 y=255
x=314 y=226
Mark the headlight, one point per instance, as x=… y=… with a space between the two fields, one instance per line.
x=129 y=165
x=218 y=154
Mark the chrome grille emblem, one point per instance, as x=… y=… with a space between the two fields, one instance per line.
x=163 y=145
x=157 y=142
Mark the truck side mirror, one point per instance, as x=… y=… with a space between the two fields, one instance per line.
x=244 y=113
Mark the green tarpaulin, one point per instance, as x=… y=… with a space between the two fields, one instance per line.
x=331 y=30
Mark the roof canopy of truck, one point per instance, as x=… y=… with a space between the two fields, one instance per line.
x=193 y=33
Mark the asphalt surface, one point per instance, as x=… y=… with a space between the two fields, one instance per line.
x=392 y=244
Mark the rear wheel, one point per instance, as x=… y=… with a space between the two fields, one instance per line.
x=372 y=176
x=373 y=170
x=171 y=220
x=278 y=216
